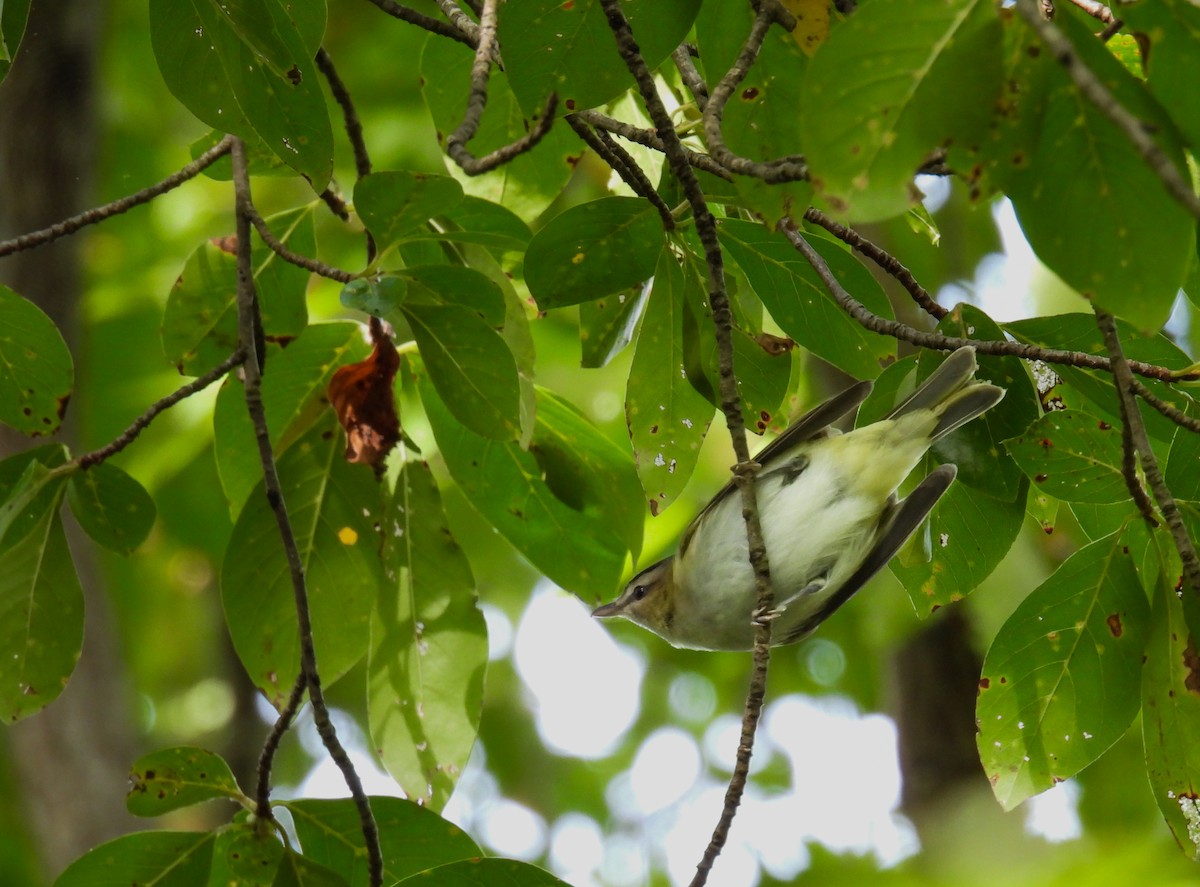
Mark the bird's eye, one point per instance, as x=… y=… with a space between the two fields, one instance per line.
x=639 y=592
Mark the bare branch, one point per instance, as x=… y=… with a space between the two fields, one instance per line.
x=1171 y=412
x=885 y=260
x=650 y=139
x=624 y=165
x=280 y=249
x=744 y=471
x=247 y=302
x=100 y=213
x=784 y=169
x=1133 y=418
x=433 y=25
x=460 y=19
x=354 y=132
x=1089 y=85
x=129 y=435
x=456 y=143
x=1096 y=10
x=939 y=342
x=691 y=77
x=266 y=758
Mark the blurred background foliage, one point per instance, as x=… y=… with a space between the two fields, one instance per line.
x=585 y=807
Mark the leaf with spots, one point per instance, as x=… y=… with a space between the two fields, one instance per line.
x=41 y=602
x=160 y=858
x=428 y=649
x=246 y=854
x=294 y=397
x=247 y=68
x=111 y=507
x=798 y=301
x=1061 y=681
x=486 y=872
x=200 y=321
x=594 y=249
x=1094 y=212
x=1072 y=456
x=335 y=510
x=570 y=503
x=567 y=48
x=607 y=325
x=36 y=371
x=1171 y=716
x=666 y=416
x=887 y=90
x=398 y=203
x=172 y=778
x=412 y=838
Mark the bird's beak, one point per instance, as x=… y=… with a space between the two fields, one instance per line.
x=607 y=610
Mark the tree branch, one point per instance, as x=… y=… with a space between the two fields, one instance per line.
x=1171 y=412
x=619 y=160
x=650 y=139
x=460 y=19
x=100 y=213
x=1090 y=87
x=280 y=249
x=784 y=169
x=266 y=758
x=433 y=25
x=129 y=435
x=353 y=127
x=691 y=77
x=744 y=471
x=1133 y=418
x=456 y=144
x=247 y=303
x=939 y=342
x=885 y=260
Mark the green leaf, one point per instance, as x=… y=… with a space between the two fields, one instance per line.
x=200 y=321
x=456 y=285
x=161 y=859
x=481 y=222
x=412 y=838
x=398 y=203
x=428 y=647
x=13 y=15
x=606 y=326
x=36 y=371
x=260 y=160
x=1171 y=716
x=528 y=183
x=1072 y=456
x=568 y=48
x=293 y=392
x=592 y=250
x=1182 y=472
x=666 y=416
x=1060 y=682
x=470 y=365
x=172 y=778
x=760 y=120
x=887 y=89
x=489 y=872
x=799 y=302
x=1078 y=332
x=246 y=67
x=334 y=507
x=41 y=602
x=111 y=507
x=1172 y=32
x=246 y=854
x=570 y=503
x=1068 y=168
x=298 y=871
x=966 y=537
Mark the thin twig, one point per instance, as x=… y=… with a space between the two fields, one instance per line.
x=123 y=204
x=337 y=206
x=280 y=249
x=881 y=257
x=247 y=309
x=1162 y=495
x=456 y=143
x=783 y=169
x=433 y=25
x=129 y=435
x=1129 y=464
x=691 y=77
x=266 y=758
x=1096 y=10
x=1090 y=87
x=648 y=138
x=459 y=19
x=744 y=471
x=939 y=342
x=353 y=127
x=1171 y=412
x=624 y=166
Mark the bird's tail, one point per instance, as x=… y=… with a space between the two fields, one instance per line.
x=952 y=394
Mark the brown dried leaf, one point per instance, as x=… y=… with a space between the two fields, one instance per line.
x=362 y=397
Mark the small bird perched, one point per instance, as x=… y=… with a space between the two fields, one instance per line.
x=830 y=518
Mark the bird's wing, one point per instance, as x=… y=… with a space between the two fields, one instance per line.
x=901 y=522
x=813 y=424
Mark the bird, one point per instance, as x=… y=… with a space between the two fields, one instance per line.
x=829 y=513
